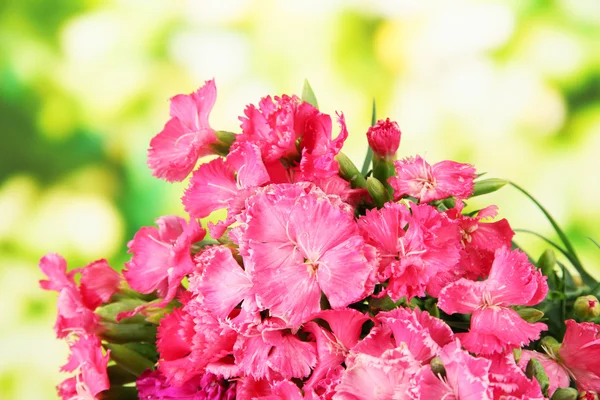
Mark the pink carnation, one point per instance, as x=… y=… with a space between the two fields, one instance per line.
x=415 y=178
x=162 y=256
x=410 y=258
x=187 y=135
x=378 y=378
x=298 y=240
x=580 y=354
x=74 y=314
x=152 y=385
x=495 y=327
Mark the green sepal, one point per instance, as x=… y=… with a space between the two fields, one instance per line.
x=128 y=359
x=488 y=186
x=530 y=315
x=349 y=172
x=536 y=370
x=378 y=192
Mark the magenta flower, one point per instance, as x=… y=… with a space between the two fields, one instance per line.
x=384 y=138
x=190 y=342
x=287 y=129
x=225 y=184
x=495 y=327
x=162 y=256
x=415 y=178
x=152 y=385
x=298 y=240
x=187 y=135
x=466 y=377
x=89 y=365
x=413 y=248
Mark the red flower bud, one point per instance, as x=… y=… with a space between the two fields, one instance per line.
x=384 y=138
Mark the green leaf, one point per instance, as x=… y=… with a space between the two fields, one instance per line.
x=128 y=359
x=587 y=278
x=369 y=156
x=308 y=95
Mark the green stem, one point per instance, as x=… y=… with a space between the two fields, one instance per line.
x=369 y=156
x=587 y=278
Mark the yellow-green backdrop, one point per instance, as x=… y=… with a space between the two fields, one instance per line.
x=512 y=87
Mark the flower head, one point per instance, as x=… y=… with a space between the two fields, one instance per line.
x=384 y=138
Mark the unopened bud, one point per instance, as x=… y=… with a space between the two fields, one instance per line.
x=378 y=192
x=488 y=186
x=128 y=359
x=549 y=345
x=586 y=307
x=224 y=141
x=546 y=264
x=536 y=370
x=384 y=138
x=565 y=394
x=349 y=172
x=588 y=395
x=530 y=315
x=437 y=367
x=517 y=354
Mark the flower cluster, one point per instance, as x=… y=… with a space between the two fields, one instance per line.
x=321 y=282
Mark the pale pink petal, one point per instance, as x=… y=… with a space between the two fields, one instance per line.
x=54 y=267
x=87 y=357
x=290 y=357
x=186 y=136
x=462 y=296
x=496 y=329
x=466 y=377
x=346 y=325
x=223 y=284
x=330 y=354
x=513 y=280
x=73 y=316
x=212 y=187
x=508 y=381
x=246 y=160
x=98 y=283
x=377 y=378
x=580 y=353
x=378 y=341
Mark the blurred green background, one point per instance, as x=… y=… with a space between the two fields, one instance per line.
x=512 y=87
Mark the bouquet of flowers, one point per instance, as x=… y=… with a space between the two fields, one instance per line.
x=323 y=281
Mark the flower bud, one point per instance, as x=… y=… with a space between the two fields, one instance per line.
x=378 y=192
x=384 y=138
x=586 y=307
x=349 y=172
x=437 y=367
x=530 y=315
x=549 y=345
x=128 y=359
x=536 y=370
x=565 y=394
x=588 y=395
x=487 y=186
